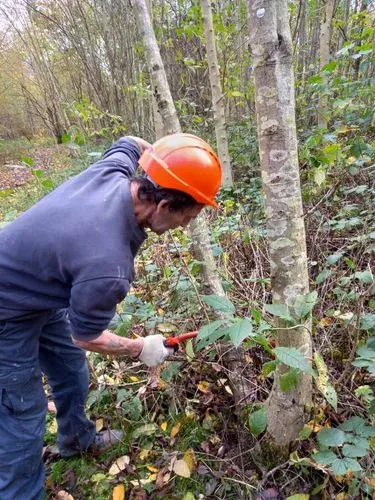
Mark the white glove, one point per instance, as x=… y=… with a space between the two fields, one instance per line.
x=154 y=351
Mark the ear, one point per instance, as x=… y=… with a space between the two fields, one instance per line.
x=163 y=205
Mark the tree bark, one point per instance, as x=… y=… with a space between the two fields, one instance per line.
x=217 y=94
x=324 y=57
x=271 y=46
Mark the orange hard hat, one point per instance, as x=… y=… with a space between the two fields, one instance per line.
x=186 y=163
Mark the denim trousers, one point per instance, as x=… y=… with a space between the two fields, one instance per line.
x=33 y=344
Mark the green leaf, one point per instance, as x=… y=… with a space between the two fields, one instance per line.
x=189 y=350
x=371 y=409
x=189 y=496
x=280 y=311
x=219 y=303
x=304 y=304
x=352 y=424
x=342 y=465
x=258 y=421
x=207 y=330
x=144 y=430
x=331 y=396
x=364 y=276
x=268 y=367
x=319 y=174
x=240 y=330
x=352 y=451
x=27 y=161
x=367 y=321
x=326 y=273
x=334 y=258
x=331 y=437
x=290 y=356
x=289 y=380
x=324 y=457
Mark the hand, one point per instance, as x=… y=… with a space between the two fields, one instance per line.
x=154 y=351
x=142 y=144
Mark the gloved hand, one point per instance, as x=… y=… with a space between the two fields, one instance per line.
x=154 y=351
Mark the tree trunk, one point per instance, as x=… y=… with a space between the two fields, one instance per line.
x=271 y=46
x=217 y=94
x=198 y=229
x=324 y=57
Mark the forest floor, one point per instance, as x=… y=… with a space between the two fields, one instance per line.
x=183 y=436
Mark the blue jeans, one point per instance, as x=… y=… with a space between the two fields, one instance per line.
x=29 y=345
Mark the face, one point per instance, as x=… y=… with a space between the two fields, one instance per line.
x=162 y=219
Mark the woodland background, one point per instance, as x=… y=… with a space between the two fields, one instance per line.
x=75 y=75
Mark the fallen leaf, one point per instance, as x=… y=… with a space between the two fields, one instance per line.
x=150 y=479
x=134 y=379
x=151 y=468
x=99 y=424
x=118 y=492
x=144 y=453
x=166 y=327
x=204 y=386
x=181 y=468
x=175 y=430
x=119 y=465
x=189 y=457
x=164 y=426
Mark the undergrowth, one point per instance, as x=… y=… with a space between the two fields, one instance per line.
x=185 y=410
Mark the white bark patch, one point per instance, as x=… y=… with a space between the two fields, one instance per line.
x=288 y=261
x=278 y=155
x=269 y=126
x=282 y=243
x=290 y=293
x=276 y=229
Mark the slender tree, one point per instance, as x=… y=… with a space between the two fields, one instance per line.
x=271 y=46
x=233 y=358
x=324 y=56
x=217 y=94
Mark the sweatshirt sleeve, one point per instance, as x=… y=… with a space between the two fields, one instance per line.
x=123 y=155
x=93 y=305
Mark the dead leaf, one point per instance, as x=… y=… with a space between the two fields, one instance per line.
x=151 y=468
x=143 y=454
x=118 y=492
x=166 y=327
x=189 y=457
x=99 y=424
x=119 y=465
x=64 y=495
x=204 y=387
x=175 y=430
x=181 y=468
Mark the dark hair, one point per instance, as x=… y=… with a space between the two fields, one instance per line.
x=177 y=200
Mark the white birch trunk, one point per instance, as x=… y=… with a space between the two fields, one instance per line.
x=217 y=94
x=271 y=46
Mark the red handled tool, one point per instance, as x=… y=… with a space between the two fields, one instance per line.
x=175 y=341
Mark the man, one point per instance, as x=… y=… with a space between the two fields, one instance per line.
x=64 y=266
